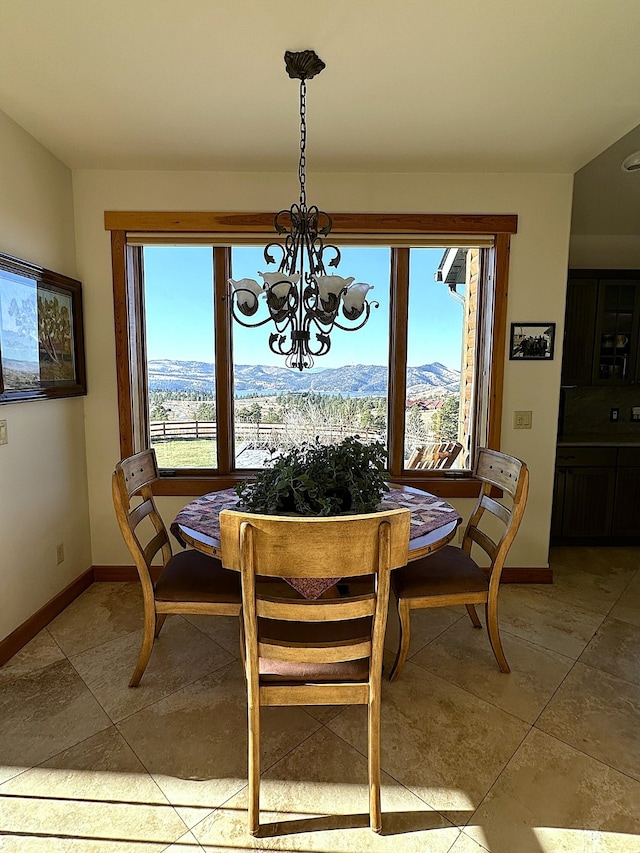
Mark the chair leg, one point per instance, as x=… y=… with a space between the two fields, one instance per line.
x=160 y=617
x=375 y=809
x=491 y=612
x=471 y=610
x=405 y=637
x=148 y=636
x=254 y=766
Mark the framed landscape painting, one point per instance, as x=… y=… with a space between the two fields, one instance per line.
x=41 y=333
x=532 y=341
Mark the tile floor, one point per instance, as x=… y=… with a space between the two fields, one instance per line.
x=546 y=759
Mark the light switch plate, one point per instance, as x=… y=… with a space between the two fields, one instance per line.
x=4 y=438
x=522 y=420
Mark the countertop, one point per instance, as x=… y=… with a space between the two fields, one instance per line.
x=624 y=440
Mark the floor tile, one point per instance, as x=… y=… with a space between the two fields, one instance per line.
x=103 y=612
x=536 y=617
x=186 y=844
x=465 y=844
x=324 y=713
x=44 y=713
x=194 y=742
x=599 y=714
x=42 y=651
x=627 y=608
x=463 y=655
x=95 y=795
x=595 y=560
x=441 y=742
x=225 y=630
x=553 y=798
x=590 y=590
x=615 y=649
x=316 y=799
x=180 y=655
x=426 y=624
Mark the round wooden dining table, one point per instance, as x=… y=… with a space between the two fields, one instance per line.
x=433 y=520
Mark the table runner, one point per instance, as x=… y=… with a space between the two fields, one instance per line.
x=428 y=513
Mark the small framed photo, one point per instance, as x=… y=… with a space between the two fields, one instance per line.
x=41 y=333
x=532 y=341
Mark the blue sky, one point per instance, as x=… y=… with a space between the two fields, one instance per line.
x=179 y=305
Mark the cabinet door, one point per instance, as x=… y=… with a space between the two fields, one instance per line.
x=588 y=501
x=579 y=331
x=558 y=502
x=616 y=339
x=626 y=518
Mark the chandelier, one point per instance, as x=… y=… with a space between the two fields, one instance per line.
x=303 y=301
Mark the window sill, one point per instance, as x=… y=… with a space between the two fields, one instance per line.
x=442 y=486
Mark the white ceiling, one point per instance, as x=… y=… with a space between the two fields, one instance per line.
x=410 y=85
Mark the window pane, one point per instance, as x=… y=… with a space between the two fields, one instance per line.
x=344 y=394
x=440 y=357
x=178 y=292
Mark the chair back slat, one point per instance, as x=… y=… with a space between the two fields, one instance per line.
x=140 y=512
x=339 y=653
x=498 y=469
x=335 y=610
x=483 y=540
x=154 y=545
x=305 y=547
x=496 y=508
x=139 y=470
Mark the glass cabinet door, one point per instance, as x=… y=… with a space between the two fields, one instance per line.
x=616 y=333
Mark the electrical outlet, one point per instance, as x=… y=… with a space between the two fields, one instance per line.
x=4 y=438
x=522 y=420
x=614 y=414
x=60 y=553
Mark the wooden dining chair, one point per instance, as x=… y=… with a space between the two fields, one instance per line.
x=188 y=582
x=451 y=576
x=314 y=652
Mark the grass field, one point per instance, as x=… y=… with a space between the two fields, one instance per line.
x=199 y=453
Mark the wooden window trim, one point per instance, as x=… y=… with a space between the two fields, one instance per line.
x=129 y=363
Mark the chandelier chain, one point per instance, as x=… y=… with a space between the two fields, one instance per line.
x=303 y=144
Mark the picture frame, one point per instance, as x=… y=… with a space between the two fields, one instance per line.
x=41 y=333
x=532 y=341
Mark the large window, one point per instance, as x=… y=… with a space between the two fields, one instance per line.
x=423 y=376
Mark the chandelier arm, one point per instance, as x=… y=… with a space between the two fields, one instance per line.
x=367 y=311
x=249 y=325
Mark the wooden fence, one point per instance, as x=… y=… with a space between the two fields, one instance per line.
x=259 y=433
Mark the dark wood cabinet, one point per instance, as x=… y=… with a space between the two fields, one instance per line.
x=626 y=517
x=579 y=335
x=602 y=328
x=596 y=493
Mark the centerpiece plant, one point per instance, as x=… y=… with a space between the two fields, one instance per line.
x=319 y=479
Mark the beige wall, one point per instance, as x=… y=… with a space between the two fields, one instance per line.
x=43 y=484
x=605 y=251
x=537 y=293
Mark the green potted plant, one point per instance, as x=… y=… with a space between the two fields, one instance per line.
x=319 y=479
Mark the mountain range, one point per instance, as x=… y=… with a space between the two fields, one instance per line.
x=429 y=380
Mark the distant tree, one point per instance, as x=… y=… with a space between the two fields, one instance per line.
x=205 y=412
x=447 y=419
x=159 y=412
x=250 y=414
